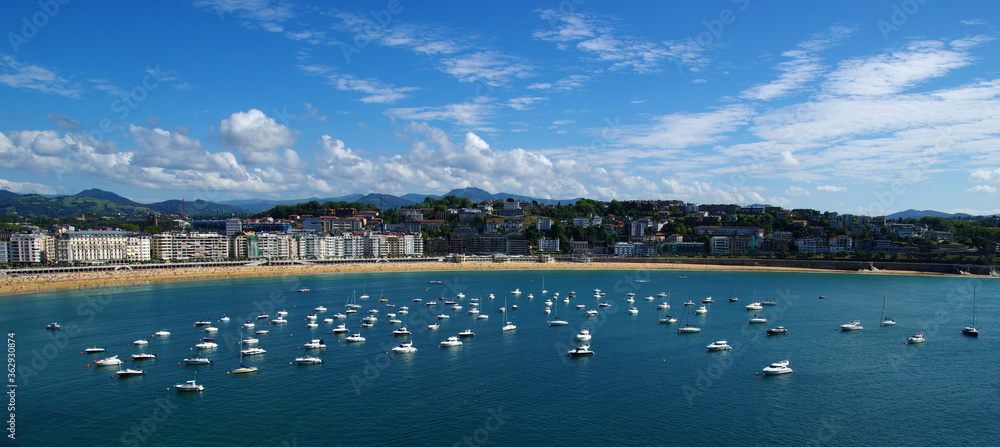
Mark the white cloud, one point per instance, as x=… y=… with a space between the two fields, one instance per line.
x=265 y=14
x=985 y=175
x=252 y=132
x=465 y=114
x=34 y=77
x=64 y=121
x=830 y=188
x=797 y=191
x=26 y=187
x=377 y=91
x=894 y=72
x=489 y=67
x=565 y=84
x=982 y=189
x=524 y=102
x=803 y=67
x=679 y=130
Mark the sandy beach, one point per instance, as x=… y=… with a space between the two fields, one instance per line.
x=119 y=278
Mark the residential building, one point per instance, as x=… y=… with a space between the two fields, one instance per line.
x=493 y=226
x=4 y=252
x=581 y=222
x=29 y=248
x=543 y=224
x=233 y=226
x=184 y=246
x=719 y=245
x=623 y=249
x=579 y=247
x=513 y=225
x=841 y=243
x=546 y=244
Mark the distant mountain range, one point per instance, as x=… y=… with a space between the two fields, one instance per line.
x=97 y=201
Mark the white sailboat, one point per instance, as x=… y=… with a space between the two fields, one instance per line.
x=507 y=325
x=971 y=330
x=243 y=369
x=886 y=321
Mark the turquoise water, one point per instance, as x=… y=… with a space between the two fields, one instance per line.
x=646 y=385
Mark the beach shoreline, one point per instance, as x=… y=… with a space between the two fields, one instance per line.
x=125 y=277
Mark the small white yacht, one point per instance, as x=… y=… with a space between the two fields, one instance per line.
x=509 y=327
x=548 y=303
x=250 y=341
x=451 y=342
x=316 y=343
x=261 y=332
x=210 y=329
x=707 y=300
x=720 y=345
x=224 y=319
x=128 y=372
x=327 y=320
x=263 y=316
x=649 y=298
x=688 y=329
x=701 y=310
x=558 y=322
x=404 y=348
x=433 y=327
x=664 y=305
x=282 y=313
x=757 y=319
x=780 y=330
x=143 y=356
x=354 y=338
x=915 y=338
x=308 y=360
x=140 y=342
x=778 y=368
x=530 y=296
x=482 y=317
x=401 y=331
x=667 y=319
x=689 y=303
x=582 y=350
x=443 y=316
x=249 y=325
x=888 y=322
x=253 y=351
x=633 y=311
x=852 y=326
x=604 y=304
x=467 y=333
x=339 y=316
x=202 y=323
x=591 y=313
x=190 y=385
x=279 y=320
x=108 y=361
x=312 y=325
x=311 y=317
x=319 y=308
x=162 y=333
x=207 y=345
x=584 y=335
x=515 y=292
x=94 y=350
x=580 y=306
x=198 y=361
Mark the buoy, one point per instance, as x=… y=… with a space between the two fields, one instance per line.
x=88 y=366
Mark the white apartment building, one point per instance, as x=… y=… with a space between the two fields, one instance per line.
x=101 y=247
x=29 y=248
x=184 y=246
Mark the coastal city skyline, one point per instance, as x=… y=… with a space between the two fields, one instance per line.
x=865 y=109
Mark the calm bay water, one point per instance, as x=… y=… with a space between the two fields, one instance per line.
x=646 y=385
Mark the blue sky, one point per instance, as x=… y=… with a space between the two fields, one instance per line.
x=855 y=106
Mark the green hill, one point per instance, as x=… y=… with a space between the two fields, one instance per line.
x=33 y=205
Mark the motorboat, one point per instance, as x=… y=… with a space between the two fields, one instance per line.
x=502 y=309
x=404 y=348
x=778 y=368
x=367 y=324
x=249 y=325
x=701 y=310
x=210 y=329
x=604 y=304
x=140 y=342
x=443 y=316
x=688 y=329
x=754 y=306
x=548 y=303
x=467 y=333
x=308 y=360
x=579 y=351
x=630 y=294
x=128 y=372
x=340 y=329
x=591 y=313
x=482 y=317
x=279 y=320
x=311 y=317
x=431 y=303
x=580 y=306
x=915 y=338
x=162 y=333
x=327 y=320
x=490 y=296
x=202 y=323
x=664 y=305
x=370 y=319
x=513 y=307
x=707 y=300
x=319 y=308
x=417 y=300
x=253 y=351
x=769 y=303
x=245 y=369
x=351 y=311
x=530 y=296
x=780 y=330
x=263 y=316
x=339 y=316
x=207 y=345
x=303 y=289
x=312 y=325
x=94 y=350
x=261 y=332
x=372 y=311
x=282 y=313
x=667 y=319
x=143 y=356
x=584 y=335
x=633 y=311
x=630 y=300
x=689 y=303
x=757 y=319
x=433 y=327
x=720 y=345
x=53 y=326
x=209 y=338
x=516 y=292
x=198 y=361
x=401 y=331
x=108 y=361
x=662 y=294
x=354 y=338
x=888 y=322
x=316 y=343
x=852 y=326
x=475 y=311
x=224 y=319
x=649 y=298
x=451 y=342
x=190 y=385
